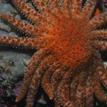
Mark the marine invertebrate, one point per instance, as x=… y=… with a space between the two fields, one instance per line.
x=67 y=63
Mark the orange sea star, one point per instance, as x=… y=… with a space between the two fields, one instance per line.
x=67 y=63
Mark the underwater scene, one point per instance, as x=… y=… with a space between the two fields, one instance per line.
x=53 y=53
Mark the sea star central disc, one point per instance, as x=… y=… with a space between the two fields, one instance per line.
x=69 y=42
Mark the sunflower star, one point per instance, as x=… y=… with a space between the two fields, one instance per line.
x=67 y=63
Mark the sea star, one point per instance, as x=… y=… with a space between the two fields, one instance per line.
x=67 y=64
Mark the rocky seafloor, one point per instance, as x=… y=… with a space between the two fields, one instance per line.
x=12 y=65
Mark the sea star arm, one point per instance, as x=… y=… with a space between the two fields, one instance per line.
x=64 y=8
x=99 y=93
x=49 y=9
x=102 y=72
x=26 y=28
x=97 y=21
x=18 y=42
x=30 y=13
x=46 y=11
x=40 y=4
x=79 y=95
x=46 y=81
x=57 y=76
x=63 y=91
x=76 y=7
x=37 y=78
x=73 y=86
x=89 y=92
x=101 y=45
x=89 y=8
x=81 y=92
x=61 y=9
x=99 y=34
x=26 y=10
x=33 y=64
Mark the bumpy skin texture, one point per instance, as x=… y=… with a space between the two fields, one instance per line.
x=67 y=63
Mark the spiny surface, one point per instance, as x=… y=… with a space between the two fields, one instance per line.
x=67 y=64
